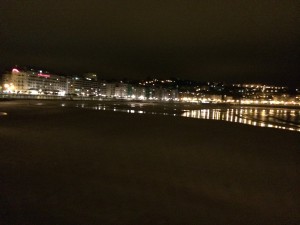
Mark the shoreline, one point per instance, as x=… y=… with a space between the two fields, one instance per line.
x=279 y=118
x=191 y=105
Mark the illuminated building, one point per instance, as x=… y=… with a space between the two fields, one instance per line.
x=164 y=94
x=121 y=90
x=107 y=90
x=86 y=85
x=90 y=76
x=138 y=93
x=33 y=82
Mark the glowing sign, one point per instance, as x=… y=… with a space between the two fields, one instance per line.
x=15 y=70
x=43 y=75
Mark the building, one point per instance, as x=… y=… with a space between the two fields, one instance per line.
x=107 y=90
x=86 y=85
x=137 y=93
x=34 y=82
x=121 y=90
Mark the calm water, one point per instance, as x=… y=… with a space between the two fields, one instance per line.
x=288 y=119
x=279 y=118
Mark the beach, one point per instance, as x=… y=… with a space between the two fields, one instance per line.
x=67 y=165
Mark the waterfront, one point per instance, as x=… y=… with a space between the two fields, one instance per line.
x=286 y=118
x=278 y=118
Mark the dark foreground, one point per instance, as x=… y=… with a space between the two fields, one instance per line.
x=77 y=166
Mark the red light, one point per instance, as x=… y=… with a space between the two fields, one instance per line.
x=43 y=75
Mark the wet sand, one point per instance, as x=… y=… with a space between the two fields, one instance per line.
x=79 y=166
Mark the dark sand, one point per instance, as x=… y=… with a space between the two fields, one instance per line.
x=78 y=166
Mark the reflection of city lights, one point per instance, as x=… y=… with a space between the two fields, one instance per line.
x=245 y=116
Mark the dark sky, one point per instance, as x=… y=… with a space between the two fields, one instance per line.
x=222 y=40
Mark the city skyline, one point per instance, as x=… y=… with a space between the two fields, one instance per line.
x=217 y=40
x=129 y=79
x=26 y=82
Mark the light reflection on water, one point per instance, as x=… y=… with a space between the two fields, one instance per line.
x=127 y=109
x=287 y=119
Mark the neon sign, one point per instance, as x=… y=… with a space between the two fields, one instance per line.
x=43 y=75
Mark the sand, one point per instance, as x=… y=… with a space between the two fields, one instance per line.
x=79 y=166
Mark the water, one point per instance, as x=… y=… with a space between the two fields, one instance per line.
x=279 y=118
x=131 y=108
x=288 y=119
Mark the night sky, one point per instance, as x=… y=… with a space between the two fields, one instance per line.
x=223 y=40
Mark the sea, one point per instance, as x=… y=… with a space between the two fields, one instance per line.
x=260 y=116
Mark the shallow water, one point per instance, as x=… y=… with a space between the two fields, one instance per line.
x=278 y=118
x=288 y=119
